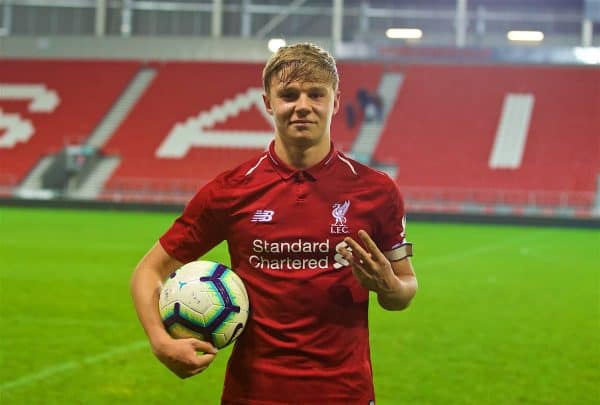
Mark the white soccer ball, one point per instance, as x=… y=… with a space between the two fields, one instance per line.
x=204 y=300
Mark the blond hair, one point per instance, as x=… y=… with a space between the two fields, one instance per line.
x=305 y=62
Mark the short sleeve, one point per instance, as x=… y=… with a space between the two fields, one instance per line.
x=393 y=241
x=198 y=229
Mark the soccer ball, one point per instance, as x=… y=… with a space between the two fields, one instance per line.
x=204 y=300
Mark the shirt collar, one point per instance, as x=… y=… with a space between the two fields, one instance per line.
x=314 y=171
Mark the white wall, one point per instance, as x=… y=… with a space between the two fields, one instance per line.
x=172 y=48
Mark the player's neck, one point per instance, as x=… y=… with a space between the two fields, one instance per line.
x=301 y=156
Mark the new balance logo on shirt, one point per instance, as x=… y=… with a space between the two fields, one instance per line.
x=263 y=216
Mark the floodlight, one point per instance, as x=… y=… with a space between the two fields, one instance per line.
x=589 y=56
x=531 y=36
x=275 y=43
x=404 y=33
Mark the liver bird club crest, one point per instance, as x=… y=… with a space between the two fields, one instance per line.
x=339 y=214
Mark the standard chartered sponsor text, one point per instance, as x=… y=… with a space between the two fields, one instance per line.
x=318 y=252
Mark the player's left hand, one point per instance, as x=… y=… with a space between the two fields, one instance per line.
x=369 y=265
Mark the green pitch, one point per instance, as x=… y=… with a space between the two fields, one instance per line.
x=504 y=315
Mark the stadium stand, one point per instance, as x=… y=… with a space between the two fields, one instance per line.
x=48 y=104
x=196 y=119
x=180 y=92
x=442 y=129
x=184 y=94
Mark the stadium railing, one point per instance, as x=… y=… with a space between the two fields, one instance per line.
x=419 y=199
x=539 y=203
x=151 y=190
x=495 y=201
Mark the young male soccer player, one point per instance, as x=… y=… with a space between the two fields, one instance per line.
x=310 y=231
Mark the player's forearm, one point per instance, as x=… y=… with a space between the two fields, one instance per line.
x=145 y=289
x=399 y=298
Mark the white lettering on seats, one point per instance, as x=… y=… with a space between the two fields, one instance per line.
x=17 y=129
x=192 y=132
x=511 y=134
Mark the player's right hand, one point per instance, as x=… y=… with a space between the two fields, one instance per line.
x=185 y=357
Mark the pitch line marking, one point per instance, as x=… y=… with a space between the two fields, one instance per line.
x=71 y=365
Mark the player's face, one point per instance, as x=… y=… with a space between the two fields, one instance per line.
x=302 y=111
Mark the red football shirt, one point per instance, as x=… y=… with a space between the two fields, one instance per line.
x=306 y=340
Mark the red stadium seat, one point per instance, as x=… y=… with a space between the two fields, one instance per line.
x=439 y=134
x=442 y=128
x=62 y=101
x=183 y=91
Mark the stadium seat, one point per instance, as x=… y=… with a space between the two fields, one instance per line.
x=197 y=119
x=189 y=94
x=441 y=131
x=47 y=104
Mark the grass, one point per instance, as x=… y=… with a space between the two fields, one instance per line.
x=504 y=315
